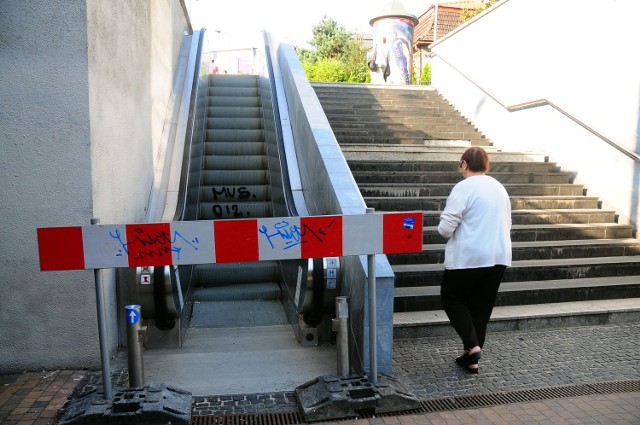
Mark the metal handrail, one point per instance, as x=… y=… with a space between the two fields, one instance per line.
x=543 y=102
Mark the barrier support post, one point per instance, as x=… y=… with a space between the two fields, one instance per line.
x=373 y=312
x=102 y=329
x=135 y=363
x=341 y=325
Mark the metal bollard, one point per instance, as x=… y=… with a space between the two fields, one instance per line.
x=341 y=325
x=135 y=337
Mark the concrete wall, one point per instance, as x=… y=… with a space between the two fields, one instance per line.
x=578 y=62
x=329 y=188
x=83 y=94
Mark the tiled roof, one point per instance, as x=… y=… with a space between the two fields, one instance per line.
x=449 y=18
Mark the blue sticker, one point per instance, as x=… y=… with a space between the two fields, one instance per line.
x=409 y=222
x=132 y=316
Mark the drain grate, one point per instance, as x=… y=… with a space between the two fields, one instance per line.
x=442 y=404
x=250 y=419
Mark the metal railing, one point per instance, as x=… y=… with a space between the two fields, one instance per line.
x=538 y=103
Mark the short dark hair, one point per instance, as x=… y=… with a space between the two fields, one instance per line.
x=477 y=159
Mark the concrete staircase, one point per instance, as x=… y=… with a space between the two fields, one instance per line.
x=573 y=263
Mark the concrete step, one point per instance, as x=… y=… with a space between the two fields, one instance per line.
x=393 y=140
x=551 y=232
x=452 y=177
x=425 y=298
x=430 y=166
x=352 y=117
x=543 y=217
x=443 y=189
x=417 y=152
x=437 y=203
x=534 y=250
x=538 y=316
x=564 y=268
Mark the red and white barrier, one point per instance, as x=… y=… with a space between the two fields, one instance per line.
x=226 y=241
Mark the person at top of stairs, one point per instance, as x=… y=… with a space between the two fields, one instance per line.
x=477 y=222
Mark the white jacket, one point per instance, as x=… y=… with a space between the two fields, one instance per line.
x=477 y=221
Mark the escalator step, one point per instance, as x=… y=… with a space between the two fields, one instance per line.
x=234 y=135
x=234 y=314
x=235 y=177
x=267 y=291
x=233 y=123
x=231 y=273
x=220 y=91
x=231 y=193
x=235 y=80
x=234 y=111
x=236 y=209
x=233 y=148
x=222 y=101
x=235 y=162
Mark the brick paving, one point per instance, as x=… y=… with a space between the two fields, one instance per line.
x=35 y=398
x=513 y=361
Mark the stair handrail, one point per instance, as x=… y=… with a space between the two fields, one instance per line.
x=538 y=103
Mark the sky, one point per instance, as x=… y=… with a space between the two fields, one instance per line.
x=238 y=23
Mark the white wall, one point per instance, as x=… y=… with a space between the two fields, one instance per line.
x=576 y=54
x=84 y=86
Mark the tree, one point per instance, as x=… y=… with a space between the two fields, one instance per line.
x=339 y=55
x=467 y=14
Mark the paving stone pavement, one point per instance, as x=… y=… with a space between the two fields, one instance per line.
x=520 y=360
x=512 y=361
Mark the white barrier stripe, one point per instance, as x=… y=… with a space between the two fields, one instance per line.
x=105 y=246
x=192 y=242
x=279 y=238
x=362 y=234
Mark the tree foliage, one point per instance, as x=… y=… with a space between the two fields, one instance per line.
x=467 y=14
x=339 y=55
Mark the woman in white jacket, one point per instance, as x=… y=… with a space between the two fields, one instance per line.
x=477 y=222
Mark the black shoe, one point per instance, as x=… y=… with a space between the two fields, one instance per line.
x=468 y=359
x=472 y=369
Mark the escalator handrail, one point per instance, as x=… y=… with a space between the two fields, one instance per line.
x=191 y=123
x=295 y=207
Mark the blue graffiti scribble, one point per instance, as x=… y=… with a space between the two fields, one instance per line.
x=291 y=234
x=157 y=244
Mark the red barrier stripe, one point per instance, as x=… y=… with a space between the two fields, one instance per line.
x=149 y=244
x=61 y=248
x=236 y=240
x=402 y=232
x=321 y=236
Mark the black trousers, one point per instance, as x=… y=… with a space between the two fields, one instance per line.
x=468 y=296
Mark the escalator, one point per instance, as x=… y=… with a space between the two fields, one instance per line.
x=235 y=184
x=229 y=328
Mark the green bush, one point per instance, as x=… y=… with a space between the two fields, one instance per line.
x=425 y=78
x=325 y=70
